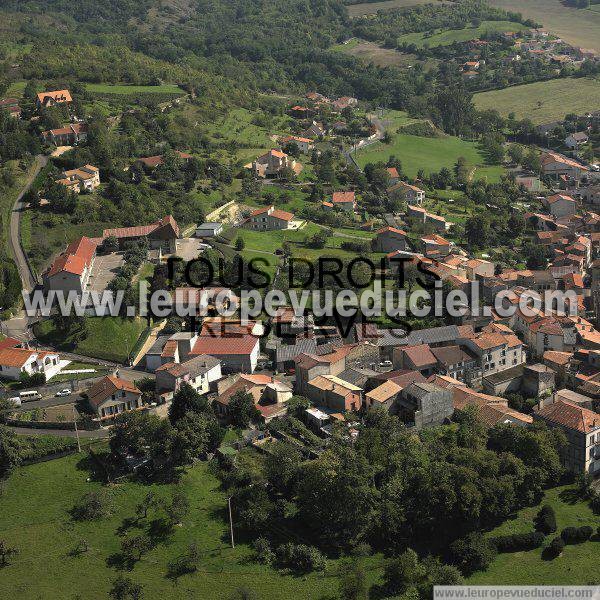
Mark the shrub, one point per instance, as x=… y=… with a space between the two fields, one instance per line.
x=519 y=541
x=300 y=558
x=576 y=535
x=186 y=562
x=264 y=554
x=545 y=521
x=556 y=547
x=595 y=504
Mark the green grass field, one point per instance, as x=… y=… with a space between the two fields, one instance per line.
x=430 y=154
x=165 y=88
x=34 y=508
x=449 y=36
x=544 y=101
x=109 y=338
x=579 y=27
x=370 y=8
x=577 y=565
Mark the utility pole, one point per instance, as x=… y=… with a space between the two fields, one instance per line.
x=76 y=430
x=230 y=522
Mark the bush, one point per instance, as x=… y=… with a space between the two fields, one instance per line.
x=264 y=554
x=300 y=558
x=186 y=562
x=555 y=548
x=92 y=506
x=595 y=504
x=545 y=521
x=519 y=541
x=576 y=535
x=473 y=553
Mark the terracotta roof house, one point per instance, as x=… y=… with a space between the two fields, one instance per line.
x=394 y=175
x=555 y=165
x=273 y=164
x=415 y=358
x=413 y=194
x=84 y=178
x=334 y=393
x=69 y=135
x=561 y=205
x=269 y=219
x=45 y=99
x=270 y=395
x=303 y=144
x=112 y=396
x=389 y=239
x=17 y=361
x=582 y=427
x=160 y=234
x=151 y=162
x=12 y=106
x=344 y=200
x=71 y=270
x=435 y=245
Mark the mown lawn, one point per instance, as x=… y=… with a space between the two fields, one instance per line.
x=35 y=518
x=108 y=338
x=430 y=154
x=544 y=101
x=578 y=563
x=444 y=37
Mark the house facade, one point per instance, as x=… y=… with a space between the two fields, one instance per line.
x=268 y=219
x=112 y=396
x=86 y=178
x=15 y=362
x=71 y=270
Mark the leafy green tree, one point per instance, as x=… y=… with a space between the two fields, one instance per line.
x=186 y=400
x=6 y=553
x=134 y=547
x=353 y=583
x=242 y=410
x=282 y=464
x=473 y=553
x=403 y=572
x=125 y=588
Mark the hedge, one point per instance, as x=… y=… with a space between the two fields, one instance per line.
x=576 y=535
x=519 y=541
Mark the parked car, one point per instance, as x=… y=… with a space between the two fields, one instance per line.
x=30 y=395
x=65 y=392
x=15 y=400
x=385 y=363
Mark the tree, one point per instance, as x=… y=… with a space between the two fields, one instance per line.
x=6 y=553
x=532 y=162
x=111 y=244
x=516 y=153
x=125 y=588
x=477 y=231
x=282 y=464
x=93 y=506
x=191 y=438
x=240 y=244
x=149 y=501
x=186 y=562
x=242 y=409
x=545 y=520
x=178 y=507
x=134 y=547
x=353 y=583
x=404 y=572
x=186 y=400
x=473 y=553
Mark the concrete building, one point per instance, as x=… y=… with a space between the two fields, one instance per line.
x=423 y=405
x=198 y=372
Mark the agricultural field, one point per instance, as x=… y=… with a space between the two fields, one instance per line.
x=108 y=338
x=544 y=101
x=165 y=88
x=370 y=8
x=35 y=507
x=430 y=154
x=579 y=27
x=578 y=563
x=373 y=53
x=444 y=37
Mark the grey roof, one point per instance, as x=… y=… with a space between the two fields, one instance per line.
x=356 y=376
x=284 y=353
x=158 y=345
x=505 y=375
x=210 y=225
x=433 y=335
x=420 y=390
x=198 y=365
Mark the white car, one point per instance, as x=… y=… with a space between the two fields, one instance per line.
x=15 y=400
x=385 y=363
x=65 y=392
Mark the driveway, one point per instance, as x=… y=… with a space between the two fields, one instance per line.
x=103 y=270
x=189 y=248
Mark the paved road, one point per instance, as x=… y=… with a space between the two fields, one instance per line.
x=14 y=236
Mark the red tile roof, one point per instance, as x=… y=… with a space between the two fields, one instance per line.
x=77 y=256
x=142 y=230
x=273 y=212
x=9 y=342
x=225 y=345
x=102 y=390
x=343 y=197
x=390 y=230
x=56 y=96
x=571 y=416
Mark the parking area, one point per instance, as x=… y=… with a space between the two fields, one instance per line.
x=103 y=270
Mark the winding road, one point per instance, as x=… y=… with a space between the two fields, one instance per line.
x=14 y=236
